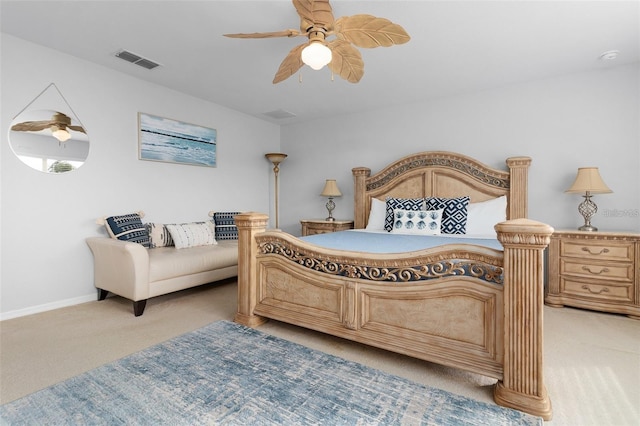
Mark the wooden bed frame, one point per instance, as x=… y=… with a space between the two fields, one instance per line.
x=481 y=312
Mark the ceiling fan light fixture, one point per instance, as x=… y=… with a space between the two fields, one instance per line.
x=317 y=23
x=62 y=135
x=316 y=55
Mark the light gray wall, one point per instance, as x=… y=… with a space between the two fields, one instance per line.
x=44 y=220
x=587 y=119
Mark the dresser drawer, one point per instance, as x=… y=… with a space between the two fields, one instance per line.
x=596 y=290
x=597 y=250
x=619 y=271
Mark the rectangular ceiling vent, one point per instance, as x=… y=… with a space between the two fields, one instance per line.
x=136 y=59
x=279 y=114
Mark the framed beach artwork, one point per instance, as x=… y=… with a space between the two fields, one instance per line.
x=171 y=141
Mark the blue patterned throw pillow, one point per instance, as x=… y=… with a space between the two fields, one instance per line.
x=400 y=203
x=421 y=222
x=128 y=227
x=226 y=228
x=454 y=217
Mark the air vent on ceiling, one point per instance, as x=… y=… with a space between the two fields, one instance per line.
x=136 y=59
x=279 y=114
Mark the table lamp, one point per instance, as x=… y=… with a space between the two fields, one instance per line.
x=588 y=181
x=331 y=190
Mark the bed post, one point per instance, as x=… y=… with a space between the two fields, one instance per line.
x=523 y=385
x=360 y=175
x=249 y=224
x=518 y=169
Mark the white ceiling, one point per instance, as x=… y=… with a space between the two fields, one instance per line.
x=456 y=47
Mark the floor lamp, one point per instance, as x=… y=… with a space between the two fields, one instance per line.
x=276 y=158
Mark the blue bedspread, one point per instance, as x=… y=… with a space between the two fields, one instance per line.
x=384 y=242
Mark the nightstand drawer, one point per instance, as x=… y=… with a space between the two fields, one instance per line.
x=321 y=226
x=592 y=290
x=317 y=231
x=602 y=250
x=595 y=270
x=608 y=271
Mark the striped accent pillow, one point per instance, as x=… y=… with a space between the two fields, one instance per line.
x=226 y=228
x=159 y=235
x=127 y=227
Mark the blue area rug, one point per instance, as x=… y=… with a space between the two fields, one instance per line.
x=225 y=373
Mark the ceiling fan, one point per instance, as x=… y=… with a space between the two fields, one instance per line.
x=60 y=124
x=317 y=23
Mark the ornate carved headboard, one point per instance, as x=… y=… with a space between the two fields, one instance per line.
x=442 y=174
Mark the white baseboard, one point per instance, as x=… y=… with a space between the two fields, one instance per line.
x=47 y=307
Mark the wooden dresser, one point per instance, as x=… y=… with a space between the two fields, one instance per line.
x=321 y=226
x=595 y=270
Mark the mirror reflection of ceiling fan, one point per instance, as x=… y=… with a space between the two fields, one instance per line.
x=317 y=23
x=60 y=124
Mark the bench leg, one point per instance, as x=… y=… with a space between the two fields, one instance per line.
x=138 y=307
x=102 y=294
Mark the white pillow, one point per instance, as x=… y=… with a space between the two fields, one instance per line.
x=483 y=216
x=376 y=215
x=421 y=222
x=193 y=234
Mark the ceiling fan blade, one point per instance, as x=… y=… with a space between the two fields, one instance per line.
x=291 y=64
x=314 y=13
x=284 y=33
x=31 y=126
x=77 y=128
x=370 y=31
x=346 y=60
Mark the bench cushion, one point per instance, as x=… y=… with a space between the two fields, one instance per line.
x=169 y=262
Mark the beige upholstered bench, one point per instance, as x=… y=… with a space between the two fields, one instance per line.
x=133 y=270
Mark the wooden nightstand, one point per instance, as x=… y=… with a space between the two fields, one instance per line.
x=595 y=270
x=321 y=226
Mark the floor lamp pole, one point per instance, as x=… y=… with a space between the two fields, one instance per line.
x=276 y=158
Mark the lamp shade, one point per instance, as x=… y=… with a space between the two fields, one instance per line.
x=276 y=157
x=316 y=55
x=331 y=189
x=589 y=180
x=62 y=135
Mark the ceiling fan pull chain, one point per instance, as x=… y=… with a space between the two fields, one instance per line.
x=331 y=75
x=300 y=77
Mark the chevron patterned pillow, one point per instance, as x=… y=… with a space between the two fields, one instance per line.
x=400 y=203
x=454 y=218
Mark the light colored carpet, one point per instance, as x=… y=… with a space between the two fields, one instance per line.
x=592 y=360
x=228 y=374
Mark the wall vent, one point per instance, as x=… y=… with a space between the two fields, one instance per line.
x=136 y=59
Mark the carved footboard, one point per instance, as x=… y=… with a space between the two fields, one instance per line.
x=464 y=306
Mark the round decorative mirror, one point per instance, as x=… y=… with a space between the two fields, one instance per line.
x=49 y=140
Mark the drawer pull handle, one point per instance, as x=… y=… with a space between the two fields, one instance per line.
x=586 y=268
x=604 y=250
x=603 y=290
